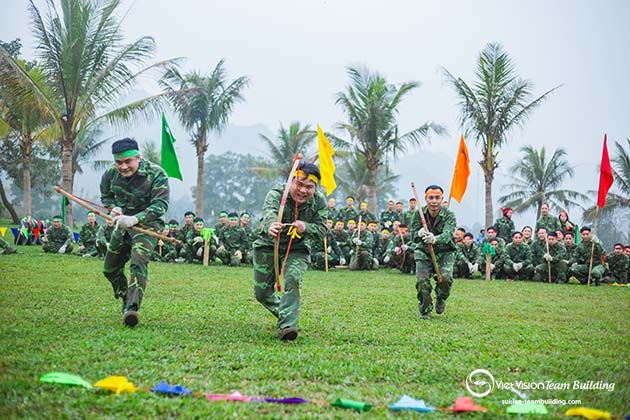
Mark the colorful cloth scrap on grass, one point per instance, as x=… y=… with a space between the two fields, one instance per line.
x=164 y=388
x=65 y=379
x=408 y=403
x=588 y=413
x=116 y=384
x=355 y=405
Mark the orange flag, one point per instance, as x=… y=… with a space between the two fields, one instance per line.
x=461 y=172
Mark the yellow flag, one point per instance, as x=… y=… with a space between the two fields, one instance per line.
x=3 y=230
x=326 y=163
x=116 y=384
x=461 y=172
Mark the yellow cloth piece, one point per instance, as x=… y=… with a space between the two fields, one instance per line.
x=326 y=163
x=588 y=413
x=3 y=230
x=116 y=384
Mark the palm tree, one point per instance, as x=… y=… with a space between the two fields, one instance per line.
x=354 y=175
x=22 y=119
x=618 y=197
x=87 y=67
x=287 y=144
x=87 y=145
x=371 y=105
x=150 y=152
x=204 y=104
x=497 y=102
x=537 y=180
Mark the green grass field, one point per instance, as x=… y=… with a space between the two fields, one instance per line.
x=360 y=339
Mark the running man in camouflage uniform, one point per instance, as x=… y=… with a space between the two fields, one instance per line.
x=441 y=224
x=137 y=192
x=518 y=259
x=87 y=237
x=58 y=238
x=617 y=266
x=305 y=213
x=505 y=225
x=466 y=257
x=582 y=258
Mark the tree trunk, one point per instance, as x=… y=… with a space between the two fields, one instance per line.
x=488 y=177
x=66 y=175
x=26 y=177
x=200 y=184
x=7 y=204
x=372 y=189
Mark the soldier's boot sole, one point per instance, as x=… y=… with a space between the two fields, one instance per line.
x=131 y=319
x=288 y=334
x=440 y=306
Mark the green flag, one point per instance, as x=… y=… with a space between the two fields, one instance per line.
x=169 y=158
x=64 y=205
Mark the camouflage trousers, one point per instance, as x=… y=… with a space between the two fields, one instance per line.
x=194 y=252
x=319 y=261
x=285 y=307
x=525 y=273
x=101 y=247
x=461 y=270
x=88 y=250
x=558 y=272
x=362 y=261
x=126 y=245
x=403 y=261
x=55 y=246
x=229 y=257
x=424 y=273
x=5 y=247
x=168 y=254
x=580 y=271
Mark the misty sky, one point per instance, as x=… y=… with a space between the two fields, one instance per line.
x=296 y=52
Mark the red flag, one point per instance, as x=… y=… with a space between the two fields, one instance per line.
x=605 y=176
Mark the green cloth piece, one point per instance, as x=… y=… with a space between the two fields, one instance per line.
x=207 y=233
x=527 y=408
x=64 y=204
x=168 y=157
x=488 y=249
x=65 y=378
x=355 y=405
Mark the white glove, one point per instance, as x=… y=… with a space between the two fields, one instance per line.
x=375 y=262
x=81 y=248
x=492 y=267
x=200 y=252
x=519 y=266
x=421 y=232
x=197 y=239
x=429 y=238
x=221 y=249
x=405 y=247
x=470 y=268
x=238 y=254
x=386 y=259
x=388 y=223
x=116 y=211
x=515 y=267
x=62 y=250
x=547 y=257
x=356 y=241
x=125 y=221
x=44 y=239
x=342 y=261
x=86 y=255
x=329 y=249
x=160 y=242
x=475 y=268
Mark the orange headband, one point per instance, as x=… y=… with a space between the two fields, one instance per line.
x=433 y=191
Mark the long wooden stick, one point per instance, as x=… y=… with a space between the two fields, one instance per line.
x=426 y=228
x=206 y=253
x=356 y=251
x=548 y=262
x=488 y=272
x=106 y=216
x=283 y=202
x=326 y=251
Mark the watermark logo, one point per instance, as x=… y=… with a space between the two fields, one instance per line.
x=479 y=383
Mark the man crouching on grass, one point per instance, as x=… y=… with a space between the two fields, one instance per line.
x=305 y=213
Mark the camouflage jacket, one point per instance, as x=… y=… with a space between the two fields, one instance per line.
x=318 y=246
x=582 y=253
x=313 y=213
x=505 y=227
x=388 y=216
x=87 y=235
x=558 y=252
x=552 y=224
x=367 y=242
x=182 y=233
x=517 y=254
x=366 y=216
x=145 y=194
x=383 y=247
x=342 y=238
x=104 y=234
x=468 y=255
x=538 y=249
x=443 y=227
x=410 y=217
x=61 y=236
x=618 y=266
x=233 y=239
x=348 y=213
x=333 y=214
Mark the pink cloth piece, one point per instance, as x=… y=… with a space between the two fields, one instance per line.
x=234 y=396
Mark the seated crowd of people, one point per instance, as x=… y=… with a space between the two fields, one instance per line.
x=560 y=251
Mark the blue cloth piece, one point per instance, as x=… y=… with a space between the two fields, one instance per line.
x=164 y=388
x=14 y=231
x=76 y=236
x=408 y=403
